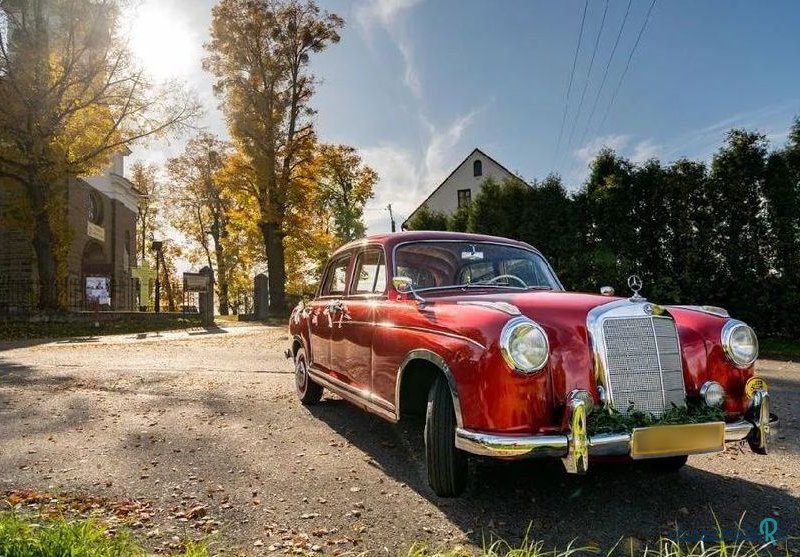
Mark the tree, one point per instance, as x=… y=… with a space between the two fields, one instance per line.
x=202 y=206
x=144 y=179
x=70 y=96
x=425 y=219
x=345 y=185
x=738 y=172
x=259 y=53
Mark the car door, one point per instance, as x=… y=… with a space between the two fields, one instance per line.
x=354 y=324
x=324 y=310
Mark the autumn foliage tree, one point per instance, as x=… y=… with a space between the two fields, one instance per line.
x=70 y=96
x=345 y=186
x=259 y=53
x=201 y=205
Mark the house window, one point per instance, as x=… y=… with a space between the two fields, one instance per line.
x=464 y=197
x=477 y=168
x=94 y=208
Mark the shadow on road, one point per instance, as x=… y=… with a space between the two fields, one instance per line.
x=610 y=502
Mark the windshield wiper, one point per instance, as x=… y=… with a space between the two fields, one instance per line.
x=488 y=285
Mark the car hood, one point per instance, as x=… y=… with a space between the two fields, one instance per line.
x=563 y=315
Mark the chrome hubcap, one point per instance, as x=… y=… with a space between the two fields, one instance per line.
x=300 y=375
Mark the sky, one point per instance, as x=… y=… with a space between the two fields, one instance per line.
x=415 y=85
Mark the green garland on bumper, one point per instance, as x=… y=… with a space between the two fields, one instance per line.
x=608 y=420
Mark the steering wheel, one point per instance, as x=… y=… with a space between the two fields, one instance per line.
x=498 y=277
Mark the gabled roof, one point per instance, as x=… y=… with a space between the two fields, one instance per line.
x=437 y=188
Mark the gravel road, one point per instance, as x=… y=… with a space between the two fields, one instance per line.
x=202 y=430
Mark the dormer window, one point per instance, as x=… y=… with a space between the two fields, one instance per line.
x=477 y=168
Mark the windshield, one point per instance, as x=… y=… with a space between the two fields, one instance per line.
x=472 y=265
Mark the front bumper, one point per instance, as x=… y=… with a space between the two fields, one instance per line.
x=575 y=447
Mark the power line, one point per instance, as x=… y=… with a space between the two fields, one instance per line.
x=628 y=64
x=571 y=77
x=588 y=76
x=605 y=73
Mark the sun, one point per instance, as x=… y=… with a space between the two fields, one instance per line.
x=162 y=41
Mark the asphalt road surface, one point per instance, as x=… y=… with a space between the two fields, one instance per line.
x=201 y=432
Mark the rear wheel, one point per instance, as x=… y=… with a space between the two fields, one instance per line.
x=447 y=465
x=664 y=465
x=308 y=391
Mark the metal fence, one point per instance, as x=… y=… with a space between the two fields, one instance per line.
x=19 y=297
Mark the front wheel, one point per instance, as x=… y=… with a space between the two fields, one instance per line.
x=308 y=391
x=447 y=465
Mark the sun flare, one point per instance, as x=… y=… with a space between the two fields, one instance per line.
x=162 y=42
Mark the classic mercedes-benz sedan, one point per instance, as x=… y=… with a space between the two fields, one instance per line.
x=477 y=334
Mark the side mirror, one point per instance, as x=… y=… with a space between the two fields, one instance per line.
x=404 y=285
x=607 y=290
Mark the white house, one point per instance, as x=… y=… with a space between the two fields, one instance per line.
x=464 y=183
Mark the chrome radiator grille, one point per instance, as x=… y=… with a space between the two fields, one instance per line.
x=643 y=364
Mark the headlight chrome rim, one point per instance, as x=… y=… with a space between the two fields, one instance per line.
x=710 y=390
x=505 y=344
x=728 y=330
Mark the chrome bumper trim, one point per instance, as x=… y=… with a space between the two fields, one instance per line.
x=572 y=446
x=543 y=446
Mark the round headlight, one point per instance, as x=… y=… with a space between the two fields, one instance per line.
x=524 y=345
x=740 y=343
x=713 y=394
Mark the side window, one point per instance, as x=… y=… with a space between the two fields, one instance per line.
x=336 y=278
x=370 y=277
x=477 y=168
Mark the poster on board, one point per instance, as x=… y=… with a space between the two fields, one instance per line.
x=98 y=290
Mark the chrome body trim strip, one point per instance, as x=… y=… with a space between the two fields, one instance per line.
x=439 y=362
x=360 y=397
x=711 y=310
x=390 y=325
x=505 y=307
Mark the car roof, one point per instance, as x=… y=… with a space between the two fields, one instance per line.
x=390 y=240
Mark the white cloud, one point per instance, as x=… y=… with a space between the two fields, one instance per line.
x=773 y=120
x=408 y=177
x=644 y=151
x=638 y=153
x=388 y=14
x=383 y=12
x=410 y=76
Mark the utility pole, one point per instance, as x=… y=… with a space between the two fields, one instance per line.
x=391 y=216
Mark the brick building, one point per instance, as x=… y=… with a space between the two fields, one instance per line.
x=101 y=211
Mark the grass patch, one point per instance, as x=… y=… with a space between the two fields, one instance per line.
x=608 y=420
x=771 y=347
x=30 y=537
x=625 y=547
x=32 y=330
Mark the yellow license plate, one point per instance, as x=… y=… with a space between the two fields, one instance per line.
x=673 y=440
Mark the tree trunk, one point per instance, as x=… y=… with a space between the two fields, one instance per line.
x=44 y=245
x=222 y=277
x=167 y=283
x=276 y=268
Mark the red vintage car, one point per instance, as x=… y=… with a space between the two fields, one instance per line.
x=477 y=334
